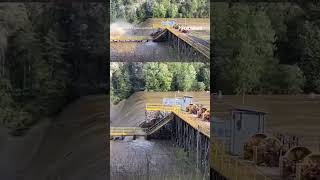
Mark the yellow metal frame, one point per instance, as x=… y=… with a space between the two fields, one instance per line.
x=126 y=131
x=232 y=167
x=161 y=107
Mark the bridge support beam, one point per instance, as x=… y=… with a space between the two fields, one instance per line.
x=190 y=138
x=184 y=49
x=192 y=141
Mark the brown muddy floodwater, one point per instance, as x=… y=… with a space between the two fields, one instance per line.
x=142 y=51
x=142 y=159
x=146 y=52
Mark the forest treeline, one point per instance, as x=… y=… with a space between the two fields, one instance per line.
x=263 y=48
x=46 y=51
x=139 y=10
x=127 y=78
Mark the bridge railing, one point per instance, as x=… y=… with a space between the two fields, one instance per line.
x=126 y=131
x=232 y=167
x=162 y=107
x=156 y=125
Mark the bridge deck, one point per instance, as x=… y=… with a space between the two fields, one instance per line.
x=200 y=47
x=202 y=126
x=196 y=123
x=205 y=50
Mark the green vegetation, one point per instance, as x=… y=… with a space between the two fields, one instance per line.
x=266 y=48
x=44 y=57
x=127 y=78
x=138 y=11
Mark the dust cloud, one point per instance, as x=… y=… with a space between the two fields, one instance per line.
x=120 y=29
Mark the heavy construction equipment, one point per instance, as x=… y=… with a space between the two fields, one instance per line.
x=249 y=146
x=310 y=167
x=184 y=30
x=194 y=108
x=198 y=109
x=271 y=150
x=188 y=108
x=201 y=111
x=181 y=28
x=263 y=150
x=288 y=162
x=206 y=115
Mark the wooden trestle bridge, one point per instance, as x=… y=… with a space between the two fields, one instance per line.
x=193 y=135
x=184 y=43
x=188 y=132
x=202 y=127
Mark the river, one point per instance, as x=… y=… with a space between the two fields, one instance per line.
x=150 y=159
x=142 y=51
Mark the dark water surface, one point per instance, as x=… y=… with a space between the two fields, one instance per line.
x=150 y=159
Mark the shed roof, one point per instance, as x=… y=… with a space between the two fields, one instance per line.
x=249 y=109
